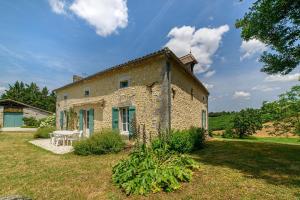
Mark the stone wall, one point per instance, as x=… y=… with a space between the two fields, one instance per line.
x=144 y=92
x=1 y=116
x=37 y=114
x=188 y=100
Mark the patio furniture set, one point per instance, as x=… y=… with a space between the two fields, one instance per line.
x=64 y=137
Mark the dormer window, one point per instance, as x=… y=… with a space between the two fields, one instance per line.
x=124 y=84
x=65 y=96
x=87 y=92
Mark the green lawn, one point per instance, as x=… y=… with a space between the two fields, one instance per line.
x=228 y=170
x=283 y=140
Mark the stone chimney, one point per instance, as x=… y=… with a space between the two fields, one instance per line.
x=189 y=61
x=76 y=78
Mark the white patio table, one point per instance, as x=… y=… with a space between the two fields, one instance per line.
x=65 y=134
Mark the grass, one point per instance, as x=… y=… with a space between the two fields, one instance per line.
x=229 y=170
x=220 y=122
x=282 y=140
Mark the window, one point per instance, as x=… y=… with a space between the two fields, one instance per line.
x=87 y=119
x=125 y=119
x=65 y=96
x=87 y=92
x=192 y=94
x=124 y=84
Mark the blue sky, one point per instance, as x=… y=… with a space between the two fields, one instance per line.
x=47 y=41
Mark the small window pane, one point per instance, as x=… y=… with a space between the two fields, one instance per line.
x=123 y=84
x=87 y=93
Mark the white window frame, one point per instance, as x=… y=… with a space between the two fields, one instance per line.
x=126 y=123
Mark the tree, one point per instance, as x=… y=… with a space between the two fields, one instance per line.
x=277 y=24
x=288 y=121
x=247 y=122
x=32 y=95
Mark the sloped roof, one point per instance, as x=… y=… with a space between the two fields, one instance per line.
x=189 y=58
x=23 y=104
x=165 y=51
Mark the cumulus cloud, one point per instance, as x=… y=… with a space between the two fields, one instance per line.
x=252 y=47
x=106 y=16
x=209 y=73
x=203 y=43
x=58 y=6
x=283 y=78
x=265 y=88
x=241 y=94
x=208 y=86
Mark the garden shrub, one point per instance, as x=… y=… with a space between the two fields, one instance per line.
x=228 y=133
x=48 y=121
x=43 y=132
x=107 y=141
x=187 y=140
x=152 y=170
x=31 y=122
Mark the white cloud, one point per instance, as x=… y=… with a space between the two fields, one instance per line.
x=208 y=86
x=2 y=89
x=58 y=6
x=265 y=88
x=252 y=47
x=106 y=16
x=209 y=73
x=283 y=78
x=241 y=94
x=203 y=43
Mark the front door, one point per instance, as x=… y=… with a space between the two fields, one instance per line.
x=124 y=120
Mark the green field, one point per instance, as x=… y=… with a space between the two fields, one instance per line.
x=228 y=170
x=220 y=122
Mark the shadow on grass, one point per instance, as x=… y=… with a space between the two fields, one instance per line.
x=277 y=164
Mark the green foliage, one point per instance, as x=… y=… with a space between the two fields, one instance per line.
x=48 y=121
x=152 y=170
x=187 y=140
x=288 y=117
x=107 y=141
x=31 y=122
x=221 y=122
x=275 y=23
x=228 y=133
x=43 y=132
x=247 y=122
x=32 y=95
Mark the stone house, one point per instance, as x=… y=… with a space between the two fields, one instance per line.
x=12 y=113
x=157 y=91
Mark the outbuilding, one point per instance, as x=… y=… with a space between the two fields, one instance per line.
x=12 y=113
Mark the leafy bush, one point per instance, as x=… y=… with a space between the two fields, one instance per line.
x=43 y=132
x=228 y=133
x=31 y=122
x=108 y=141
x=247 y=122
x=152 y=170
x=187 y=140
x=48 y=121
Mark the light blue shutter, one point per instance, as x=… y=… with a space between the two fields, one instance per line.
x=204 y=119
x=61 y=120
x=81 y=120
x=131 y=118
x=91 y=120
x=115 y=118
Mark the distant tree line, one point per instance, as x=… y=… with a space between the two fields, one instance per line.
x=32 y=95
x=222 y=113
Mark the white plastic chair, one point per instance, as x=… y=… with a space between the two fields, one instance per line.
x=59 y=138
x=74 y=137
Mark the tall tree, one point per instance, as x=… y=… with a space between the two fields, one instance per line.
x=277 y=24
x=31 y=94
